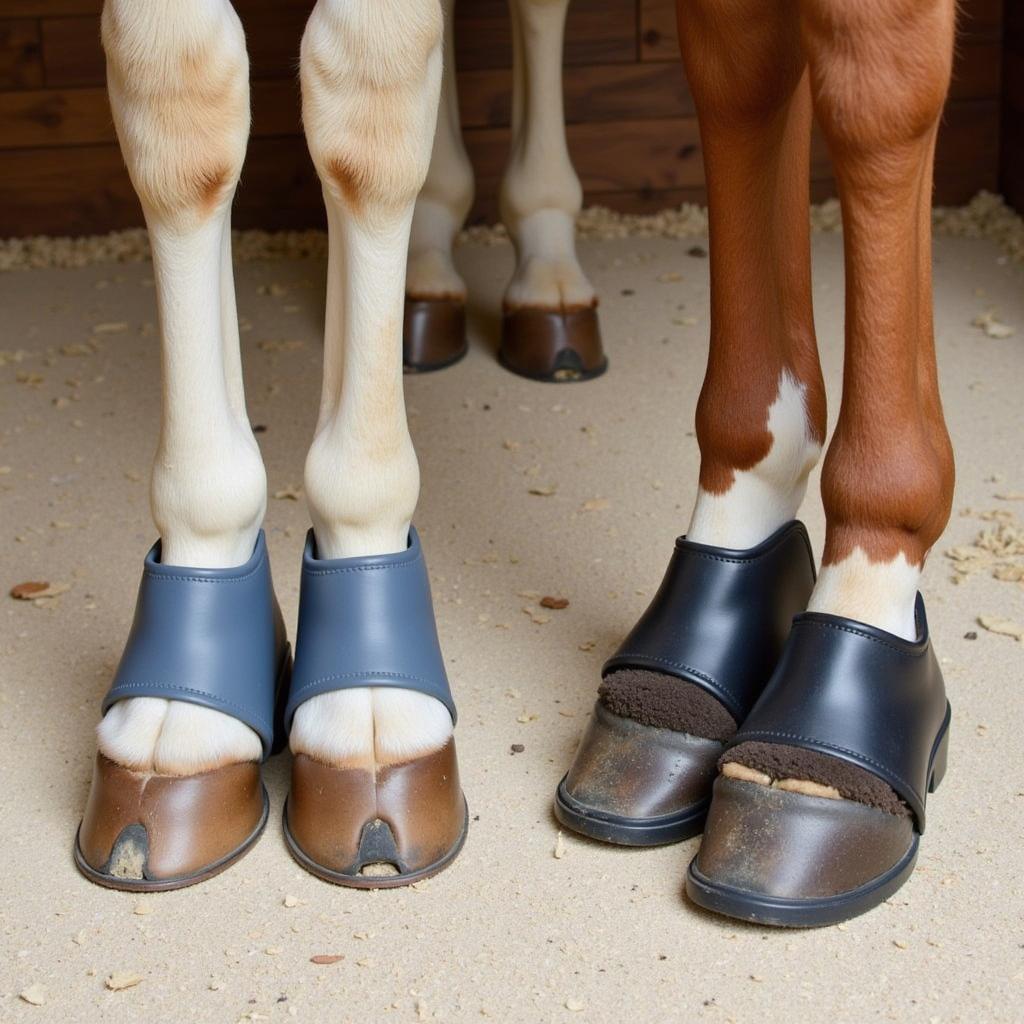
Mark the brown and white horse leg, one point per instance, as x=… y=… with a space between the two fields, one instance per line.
x=371 y=72
x=179 y=91
x=446 y=196
x=761 y=413
x=879 y=75
x=540 y=195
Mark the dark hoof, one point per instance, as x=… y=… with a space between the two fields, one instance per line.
x=434 y=334
x=558 y=347
x=376 y=831
x=636 y=785
x=782 y=858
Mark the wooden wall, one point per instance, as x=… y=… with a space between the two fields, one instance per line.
x=631 y=127
x=1011 y=170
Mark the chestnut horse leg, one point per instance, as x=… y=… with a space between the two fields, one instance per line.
x=879 y=76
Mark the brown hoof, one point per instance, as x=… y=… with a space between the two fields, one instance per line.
x=434 y=334
x=554 y=346
x=146 y=833
x=636 y=785
x=784 y=858
x=410 y=817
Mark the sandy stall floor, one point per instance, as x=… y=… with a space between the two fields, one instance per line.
x=510 y=933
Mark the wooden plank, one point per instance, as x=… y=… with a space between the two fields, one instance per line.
x=72 y=53
x=659 y=38
x=50 y=8
x=600 y=92
x=21 y=60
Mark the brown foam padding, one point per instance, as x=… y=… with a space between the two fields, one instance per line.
x=781 y=762
x=665 y=702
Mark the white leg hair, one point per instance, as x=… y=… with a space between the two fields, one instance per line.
x=769 y=494
x=446 y=196
x=178 y=81
x=370 y=73
x=882 y=594
x=540 y=194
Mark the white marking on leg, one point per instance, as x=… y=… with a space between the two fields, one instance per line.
x=765 y=497
x=882 y=594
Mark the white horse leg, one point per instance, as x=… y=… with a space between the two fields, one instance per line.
x=371 y=72
x=540 y=194
x=446 y=196
x=178 y=81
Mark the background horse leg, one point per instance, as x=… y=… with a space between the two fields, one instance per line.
x=540 y=199
x=434 y=290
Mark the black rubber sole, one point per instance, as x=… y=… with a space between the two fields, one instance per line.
x=570 y=375
x=358 y=881
x=181 y=881
x=799 y=913
x=612 y=828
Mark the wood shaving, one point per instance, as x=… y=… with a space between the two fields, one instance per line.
x=992 y=326
x=1002 y=626
x=544 y=491
x=32 y=590
x=575 y=1005
x=118 y=981
x=78 y=348
x=997 y=550
x=292 y=901
x=288 y=494
x=34 y=995
x=559 y=851
x=326 y=959
x=595 y=504
x=556 y=603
